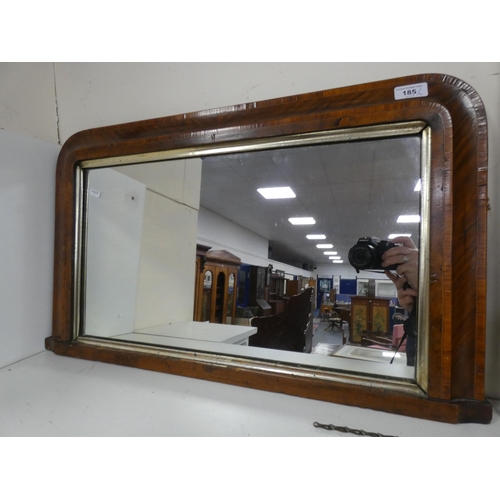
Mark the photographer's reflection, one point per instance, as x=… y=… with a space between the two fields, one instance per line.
x=399 y=260
x=404 y=258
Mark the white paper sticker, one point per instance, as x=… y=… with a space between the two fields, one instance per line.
x=411 y=91
x=95 y=192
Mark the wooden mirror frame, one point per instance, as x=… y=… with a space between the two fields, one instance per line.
x=457 y=246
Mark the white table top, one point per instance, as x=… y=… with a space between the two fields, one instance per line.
x=192 y=330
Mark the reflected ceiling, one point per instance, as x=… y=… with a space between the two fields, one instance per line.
x=352 y=190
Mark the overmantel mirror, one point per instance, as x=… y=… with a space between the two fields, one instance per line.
x=163 y=231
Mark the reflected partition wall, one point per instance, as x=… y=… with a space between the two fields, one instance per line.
x=362 y=149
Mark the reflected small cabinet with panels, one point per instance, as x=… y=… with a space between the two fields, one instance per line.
x=216 y=285
x=293 y=287
x=370 y=314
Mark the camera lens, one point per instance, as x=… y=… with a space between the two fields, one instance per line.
x=360 y=256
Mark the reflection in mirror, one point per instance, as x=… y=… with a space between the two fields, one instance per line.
x=207 y=296
x=144 y=221
x=230 y=301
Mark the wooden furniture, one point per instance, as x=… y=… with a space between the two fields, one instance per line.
x=447 y=116
x=258 y=290
x=368 y=314
x=325 y=310
x=215 y=292
x=201 y=259
x=343 y=315
x=276 y=291
x=293 y=287
x=313 y=284
x=277 y=306
x=287 y=330
x=277 y=284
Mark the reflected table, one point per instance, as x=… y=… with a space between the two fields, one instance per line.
x=192 y=330
x=342 y=314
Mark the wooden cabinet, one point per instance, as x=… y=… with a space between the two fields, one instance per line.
x=276 y=292
x=258 y=283
x=201 y=259
x=369 y=314
x=216 y=287
x=293 y=287
x=259 y=290
x=277 y=285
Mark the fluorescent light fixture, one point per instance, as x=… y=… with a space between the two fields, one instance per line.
x=418 y=185
x=316 y=237
x=299 y=221
x=409 y=218
x=276 y=193
x=335 y=257
x=330 y=253
x=324 y=245
x=337 y=261
x=396 y=235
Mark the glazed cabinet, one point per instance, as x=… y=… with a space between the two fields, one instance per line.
x=216 y=286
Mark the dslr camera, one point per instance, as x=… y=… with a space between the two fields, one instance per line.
x=367 y=254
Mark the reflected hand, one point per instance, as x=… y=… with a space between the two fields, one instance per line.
x=406 y=258
x=405 y=296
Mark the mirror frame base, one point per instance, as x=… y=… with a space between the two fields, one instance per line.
x=381 y=399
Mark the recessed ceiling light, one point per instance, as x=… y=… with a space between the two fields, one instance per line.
x=276 y=193
x=330 y=253
x=418 y=185
x=298 y=221
x=316 y=237
x=324 y=245
x=409 y=218
x=396 y=235
x=335 y=257
x=337 y=261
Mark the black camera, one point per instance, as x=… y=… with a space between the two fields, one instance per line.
x=367 y=254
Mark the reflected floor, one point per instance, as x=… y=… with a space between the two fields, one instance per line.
x=324 y=334
x=328 y=341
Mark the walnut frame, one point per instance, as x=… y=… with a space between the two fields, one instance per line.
x=457 y=249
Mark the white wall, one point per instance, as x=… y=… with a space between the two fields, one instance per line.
x=222 y=234
x=167 y=266
x=113 y=248
x=27 y=191
x=95 y=94
x=168 y=250
x=27 y=100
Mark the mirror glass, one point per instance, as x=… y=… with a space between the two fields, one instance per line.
x=143 y=221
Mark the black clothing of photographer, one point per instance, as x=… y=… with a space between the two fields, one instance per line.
x=405 y=257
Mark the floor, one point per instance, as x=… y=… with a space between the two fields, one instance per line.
x=324 y=334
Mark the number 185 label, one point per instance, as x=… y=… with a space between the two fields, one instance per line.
x=409 y=91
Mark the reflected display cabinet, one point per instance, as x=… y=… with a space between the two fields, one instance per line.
x=201 y=259
x=369 y=314
x=293 y=287
x=216 y=286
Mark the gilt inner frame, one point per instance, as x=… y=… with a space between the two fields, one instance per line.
x=417 y=128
